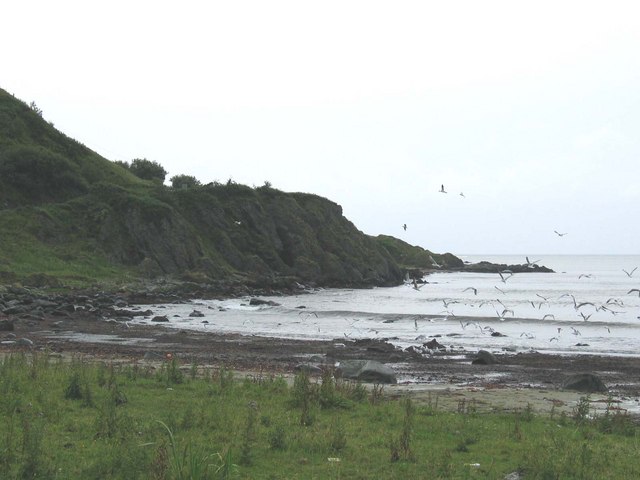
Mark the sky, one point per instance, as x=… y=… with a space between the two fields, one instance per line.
x=529 y=109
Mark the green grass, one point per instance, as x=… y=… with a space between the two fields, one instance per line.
x=34 y=241
x=86 y=420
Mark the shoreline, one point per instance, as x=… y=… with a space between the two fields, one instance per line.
x=518 y=381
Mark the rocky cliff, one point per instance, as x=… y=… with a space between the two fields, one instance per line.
x=68 y=213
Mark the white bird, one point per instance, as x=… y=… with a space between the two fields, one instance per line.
x=416 y=286
x=434 y=263
x=634 y=290
x=447 y=303
x=475 y=290
x=559 y=234
x=629 y=274
x=500 y=290
x=531 y=264
x=549 y=315
x=503 y=278
x=585 y=275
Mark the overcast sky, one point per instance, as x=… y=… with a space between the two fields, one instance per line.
x=531 y=109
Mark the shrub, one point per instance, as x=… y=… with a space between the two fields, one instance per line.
x=184 y=181
x=41 y=174
x=147 y=170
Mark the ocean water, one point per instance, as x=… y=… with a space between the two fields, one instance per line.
x=584 y=307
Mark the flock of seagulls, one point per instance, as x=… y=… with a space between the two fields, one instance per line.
x=584 y=309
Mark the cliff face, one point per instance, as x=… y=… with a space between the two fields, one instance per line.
x=69 y=213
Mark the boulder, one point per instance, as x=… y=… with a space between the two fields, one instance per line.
x=196 y=313
x=366 y=371
x=6 y=325
x=484 y=358
x=585 y=382
x=258 y=301
x=434 y=345
x=160 y=318
x=25 y=342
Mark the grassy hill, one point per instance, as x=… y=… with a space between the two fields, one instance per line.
x=70 y=216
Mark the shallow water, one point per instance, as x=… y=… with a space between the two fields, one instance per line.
x=410 y=317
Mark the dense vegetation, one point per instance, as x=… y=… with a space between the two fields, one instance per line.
x=67 y=420
x=69 y=215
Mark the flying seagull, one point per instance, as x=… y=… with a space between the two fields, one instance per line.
x=503 y=278
x=462 y=195
x=434 y=263
x=442 y=190
x=629 y=274
x=559 y=234
x=531 y=264
x=405 y=227
x=634 y=290
x=475 y=290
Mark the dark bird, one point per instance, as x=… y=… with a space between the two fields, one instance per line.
x=582 y=304
x=462 y=195
x=500 y=290
x=559 y=234
x=405 y=227
x=585 y=317
x=629 y=274
x=475 y=290
x=442 y=190
x=634 y=290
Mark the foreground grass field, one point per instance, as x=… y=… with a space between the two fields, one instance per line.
x=68 y=420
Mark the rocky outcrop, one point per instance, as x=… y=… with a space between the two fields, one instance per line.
x=366 y=371
x=585 y=382
x=484 y=357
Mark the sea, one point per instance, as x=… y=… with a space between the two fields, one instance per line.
x=583 y=308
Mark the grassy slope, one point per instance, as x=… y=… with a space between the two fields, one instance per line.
x=71 y=214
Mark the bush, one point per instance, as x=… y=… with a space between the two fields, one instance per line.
x=41 y=174
x=184 y=181
x=148 y=170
